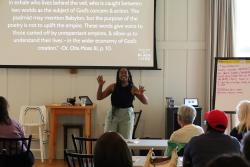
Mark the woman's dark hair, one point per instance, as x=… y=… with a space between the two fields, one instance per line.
x=246 y=146
x=112 y=151
x=130 y=80
x=228 y=160
x=4 y=115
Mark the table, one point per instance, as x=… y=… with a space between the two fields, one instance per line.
x=138 y=161
x=62 y=110
x=157 y=144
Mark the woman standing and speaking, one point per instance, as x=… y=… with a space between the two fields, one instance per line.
x=121 y=116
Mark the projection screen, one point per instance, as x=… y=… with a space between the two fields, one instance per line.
x=77 y=33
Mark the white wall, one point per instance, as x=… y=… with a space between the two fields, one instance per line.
x=180 y=27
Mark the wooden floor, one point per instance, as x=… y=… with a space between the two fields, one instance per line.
x=55 y=163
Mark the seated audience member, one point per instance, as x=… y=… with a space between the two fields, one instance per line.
x=243 y=113
x=213 y=143
x=246 y=146
x=186 y=115
x=228 y=160
x=112 y=151
x=9 y=128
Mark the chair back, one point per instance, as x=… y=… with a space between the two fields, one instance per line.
x=137 y=119
x=15 y=151
x=84 y=145
x=33 y=115
x=79 y=160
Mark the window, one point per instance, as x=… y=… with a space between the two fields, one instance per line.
x=242 y=28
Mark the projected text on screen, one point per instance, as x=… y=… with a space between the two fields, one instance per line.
x=77 y=32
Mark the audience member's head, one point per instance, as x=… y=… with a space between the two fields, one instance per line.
x=112 y=151
x=243 y=112
x=228 y=161
x=4 y=115
x=216 y=121
x=246 y=146
x=186 y=115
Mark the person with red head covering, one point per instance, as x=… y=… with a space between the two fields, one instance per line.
x=201 y=149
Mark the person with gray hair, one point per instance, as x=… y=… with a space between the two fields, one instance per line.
x=186 y=115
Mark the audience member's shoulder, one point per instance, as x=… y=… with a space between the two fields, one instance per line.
x=197 y=138
x=199 y=128
x=234 y=139
x=174 y=135
x=15 y=123
x=234 y=131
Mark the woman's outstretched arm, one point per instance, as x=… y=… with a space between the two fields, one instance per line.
x=139 y=93
x=103 y=94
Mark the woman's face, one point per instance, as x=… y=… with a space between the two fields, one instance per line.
x=123 y=75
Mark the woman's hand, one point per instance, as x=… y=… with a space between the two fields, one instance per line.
x=139 y=93
x=103 y=94
x=141 y=90
x=100 y=80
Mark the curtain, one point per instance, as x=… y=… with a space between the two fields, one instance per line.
x=220 y=36
x=220 y=40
